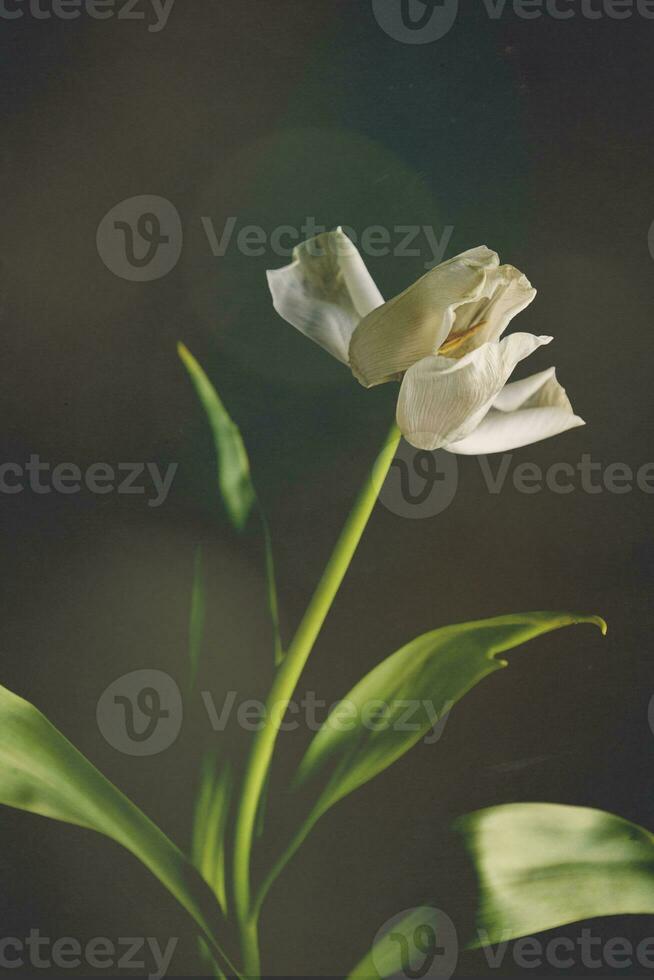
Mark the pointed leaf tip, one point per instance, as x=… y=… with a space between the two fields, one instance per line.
x=234 y=477
x=594 y=621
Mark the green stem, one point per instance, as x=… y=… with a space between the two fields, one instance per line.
x=284 y=685
x=250 y=946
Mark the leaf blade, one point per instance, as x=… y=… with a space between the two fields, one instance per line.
x=43 y=773
x=544 y=865
x=271 y=589
x=197 y=617
x=434 y=671
x=210 y=826
x=234 y=478
x=382 y=959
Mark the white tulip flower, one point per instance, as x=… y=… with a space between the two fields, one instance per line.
x=441 y=338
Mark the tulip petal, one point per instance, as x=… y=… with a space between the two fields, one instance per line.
x=528 y=393
x=524 y=412
x=512 y=293
x=415 y=323
x=500 y=432
x=443 y=400
x=325 y=291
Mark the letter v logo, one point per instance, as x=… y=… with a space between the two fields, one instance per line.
x=416 y=21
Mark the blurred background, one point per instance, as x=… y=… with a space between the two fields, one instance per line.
x=533 y=136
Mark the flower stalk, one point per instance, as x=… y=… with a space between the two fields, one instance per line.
x=284 y=685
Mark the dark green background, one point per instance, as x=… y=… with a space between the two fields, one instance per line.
x=532 y=136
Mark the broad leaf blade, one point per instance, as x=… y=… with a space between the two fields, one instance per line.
x=417 y=685
x=544 y=865
x=42 y=772
x=233 y=465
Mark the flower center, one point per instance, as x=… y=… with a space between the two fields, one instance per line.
x=452 y=346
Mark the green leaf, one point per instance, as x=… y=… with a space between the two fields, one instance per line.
x=414 y=688
x=542 y=865
x=385 y=960
x=271 y=584
x=210 y=825
x=209 y=960
x=234 y=478
x=397 y=703
x=233 y=465
x=197 y=617
x=42 y=772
